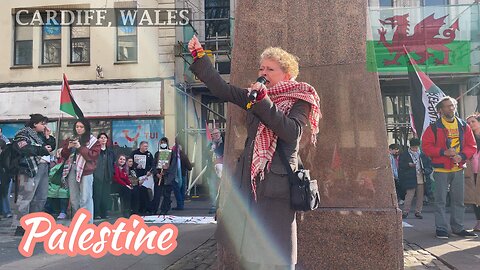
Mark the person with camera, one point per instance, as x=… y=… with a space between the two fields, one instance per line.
x=257 y=206
x=34 y=143
x=80 y=153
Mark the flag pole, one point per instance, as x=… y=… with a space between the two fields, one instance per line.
x=59 y=123
x=412 y=123
x=468 y=91
x=57 y=134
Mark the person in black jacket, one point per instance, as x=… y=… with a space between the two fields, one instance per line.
x=34 y=143
x=162 y=157
x=143 y=164
x=102 y=178
x=176 y=174
x=414 y=168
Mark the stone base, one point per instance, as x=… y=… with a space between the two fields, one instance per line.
x=349 y=238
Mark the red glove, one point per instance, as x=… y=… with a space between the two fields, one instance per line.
x=195 y=48
x=261 y=94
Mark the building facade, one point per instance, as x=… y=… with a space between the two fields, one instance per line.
x=459 y=81
x=121 y=76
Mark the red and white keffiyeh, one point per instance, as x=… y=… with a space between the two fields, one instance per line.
x=284 y=94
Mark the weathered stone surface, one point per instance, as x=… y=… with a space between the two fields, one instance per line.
x=359 y=225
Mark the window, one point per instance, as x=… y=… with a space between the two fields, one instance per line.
x=434 y=3
x=386 y=3
x=126 y=40
x=79 y=44
x=23 y=43
x=217 y=9
x=51 y=43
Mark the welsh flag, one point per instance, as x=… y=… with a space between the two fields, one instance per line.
x=438 y=37
x=67 y=103
x=424 y=96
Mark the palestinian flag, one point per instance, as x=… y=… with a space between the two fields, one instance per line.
x=67 y=103
x=424 y=96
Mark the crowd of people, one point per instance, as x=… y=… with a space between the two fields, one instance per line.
x=84 y=172
x=444 y=171
x=443 y=164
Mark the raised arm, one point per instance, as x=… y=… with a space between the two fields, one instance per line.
x=205 y=71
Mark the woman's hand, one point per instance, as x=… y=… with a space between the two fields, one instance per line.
x=194 y=44
x=47 y=132
x=72 y=144
x=260 y=88
x=76 y=144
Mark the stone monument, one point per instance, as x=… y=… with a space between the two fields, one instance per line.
x=359 y=224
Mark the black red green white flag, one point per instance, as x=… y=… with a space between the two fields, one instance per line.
x=67 y=103
x=424 y=96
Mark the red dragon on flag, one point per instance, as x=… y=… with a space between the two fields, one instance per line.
x=425 y=37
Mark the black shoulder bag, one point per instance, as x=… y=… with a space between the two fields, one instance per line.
x=304 y=195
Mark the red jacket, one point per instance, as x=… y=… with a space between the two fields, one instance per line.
x=90 y=156
x=121 y=176
x=434 y=146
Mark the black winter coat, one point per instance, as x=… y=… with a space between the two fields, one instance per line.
x=408 y=175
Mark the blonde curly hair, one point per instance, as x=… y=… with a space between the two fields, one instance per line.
x=288 y=62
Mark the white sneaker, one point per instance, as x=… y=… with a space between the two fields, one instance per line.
x=401 y=202
x=62 y=216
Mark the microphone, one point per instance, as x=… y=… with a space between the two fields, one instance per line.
x=254 y=93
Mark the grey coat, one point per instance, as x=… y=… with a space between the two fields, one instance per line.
x=264 y=231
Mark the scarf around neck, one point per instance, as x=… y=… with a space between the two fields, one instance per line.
x=284 y=95
x=28 y=132
x=80 y=161
x=416 y=160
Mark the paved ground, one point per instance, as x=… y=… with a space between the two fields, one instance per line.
x=197 y=249
x=421 y=249
x=190 y=237
x=455 y=252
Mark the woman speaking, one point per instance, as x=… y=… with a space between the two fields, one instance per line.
x=256 y=221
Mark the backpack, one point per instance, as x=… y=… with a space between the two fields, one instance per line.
x=10 y=160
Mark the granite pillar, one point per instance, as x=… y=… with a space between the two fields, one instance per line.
x=359 y=224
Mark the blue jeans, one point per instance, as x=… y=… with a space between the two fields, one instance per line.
x=5 y=197
x=81 y=194
x=456 y=181
x=179 y=192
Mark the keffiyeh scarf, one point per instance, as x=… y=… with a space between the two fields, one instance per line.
x=26 y=136
x=284 y=94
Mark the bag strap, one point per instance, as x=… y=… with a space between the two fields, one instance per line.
x=300 y=163
x=285 y=162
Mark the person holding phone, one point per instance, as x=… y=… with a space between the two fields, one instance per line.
x=80 y=154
